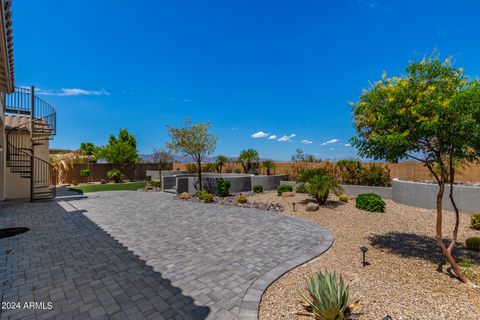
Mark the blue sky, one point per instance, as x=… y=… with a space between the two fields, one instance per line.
x=283 y=68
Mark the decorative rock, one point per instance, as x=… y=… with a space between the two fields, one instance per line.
x=287 y=194
x=184 y=196
x=312 y=206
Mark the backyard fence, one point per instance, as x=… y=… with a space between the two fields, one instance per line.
x=408 y=170
x=98 y=171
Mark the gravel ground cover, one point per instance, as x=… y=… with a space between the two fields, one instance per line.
x=232 y=201
x=405 y=279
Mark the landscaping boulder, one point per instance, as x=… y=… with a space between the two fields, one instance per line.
x=184 y=196
x=312 y=206
x=287 y=194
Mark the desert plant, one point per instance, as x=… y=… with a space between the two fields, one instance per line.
x=319 y=187
x=307 y=174
x=248 y=159
x=429 y=114
x=370 y=202
x=283 y=188
x=258 y=188
x=301 y=187
x=475 y=221
x=350 y=171
x=467 y=266
x=376 y=175
x=269 y=165
x=241 y=198
x=84 y=173
x=223 y=187
x=254 y=171
x=205 y=196
x=116 y=175
x=327 y=298
x=343 y=198
x=221 y=162
x=63 y=163
x=473 y=243
x=236 y=170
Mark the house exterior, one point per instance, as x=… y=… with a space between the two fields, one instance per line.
x=27 y=123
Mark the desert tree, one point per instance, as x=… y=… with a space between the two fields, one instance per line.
x=432 y=115
x=220 y=162
x=248 y=158
x=193 y=140
x=269 y=165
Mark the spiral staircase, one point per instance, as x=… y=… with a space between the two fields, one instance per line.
x=37 y=127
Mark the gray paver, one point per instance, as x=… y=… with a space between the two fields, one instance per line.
x=146 y=255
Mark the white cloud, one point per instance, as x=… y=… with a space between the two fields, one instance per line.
x=330 y=142
x=347 y=145
x=259 y=134
x=72 y=92
x=272 y=137
x=287 y=138
x=307 y=141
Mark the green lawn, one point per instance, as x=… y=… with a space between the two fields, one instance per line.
x=108 y=187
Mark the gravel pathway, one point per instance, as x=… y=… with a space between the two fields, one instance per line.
x=405 y=278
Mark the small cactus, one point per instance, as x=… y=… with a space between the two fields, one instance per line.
x=473 y=244
x=241 y=198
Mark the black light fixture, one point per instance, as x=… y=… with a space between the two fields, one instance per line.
x=293 y=206
x=364 y=251
x=387 y=317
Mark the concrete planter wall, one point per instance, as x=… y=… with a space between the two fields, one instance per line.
x=239 y=182
x=424 y=195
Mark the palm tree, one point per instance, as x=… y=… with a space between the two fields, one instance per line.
x=269 y=165
x=319 y=186
x=63 y=163
x=220 y=162
x=247 y=158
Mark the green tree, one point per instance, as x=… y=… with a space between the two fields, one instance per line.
x=221 y=162
x=431 y=114
x=88 y=148
x=269 y=165
x=320 y=185
x=120 y=150
x=193 y=140
x=247 y=158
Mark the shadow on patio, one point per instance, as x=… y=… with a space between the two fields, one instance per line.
x=68 y=260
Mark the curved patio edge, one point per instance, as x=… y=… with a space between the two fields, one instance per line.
x=250 y=305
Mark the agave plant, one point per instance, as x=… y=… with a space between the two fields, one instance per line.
x=327 y=299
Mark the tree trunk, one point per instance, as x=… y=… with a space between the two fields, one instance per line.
x=439 y=237
x=268 y=171
x=455 y=209
x=199 y=163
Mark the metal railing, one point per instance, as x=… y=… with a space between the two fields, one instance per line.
x=40 y=122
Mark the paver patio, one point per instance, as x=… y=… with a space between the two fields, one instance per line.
x=136 y=255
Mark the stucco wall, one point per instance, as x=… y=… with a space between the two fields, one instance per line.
x=424 y=195
x=268 y=182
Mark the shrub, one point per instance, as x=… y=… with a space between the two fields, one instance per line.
x=300 y=187
x=319 y=187
x=283 y=188
x=350 y=171
x=84 y=173
x=307 y=174
x=236 y=170
x=115 y=174
x=473 y=244
x=254 y=171
x=155 y=184
x=327 y=299
x=370 y=202
x=467 y=266
x=475 y=221
x=75 y=182
x=241 y=198
x=258 y=188
x=376 y=175
x=205 y=196
x=223 y=187
x=343 y=198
